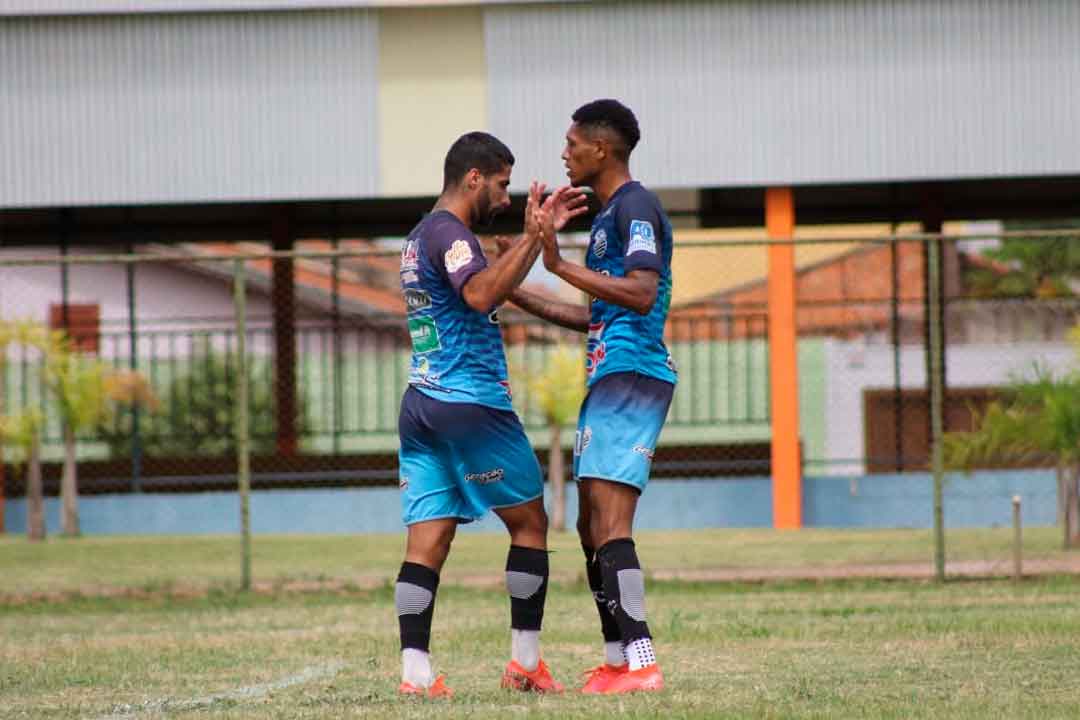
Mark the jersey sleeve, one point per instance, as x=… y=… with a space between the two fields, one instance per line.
x=456 y=253
x=639 y=226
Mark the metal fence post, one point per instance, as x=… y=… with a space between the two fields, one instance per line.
x=933 y=269
x=133 y=365
x=243 y=457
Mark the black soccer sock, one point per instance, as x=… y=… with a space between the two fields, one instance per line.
x=624 y=586
x=526 y=582
x=608 y=626
x=414 y=596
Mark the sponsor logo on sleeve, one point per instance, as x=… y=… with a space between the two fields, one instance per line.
x=416 y=300
x=424 y=334
x=458 y=256
x=410 y=255
x=486 y=478
x=642 y=237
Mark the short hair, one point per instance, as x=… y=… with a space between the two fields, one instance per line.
x=478 y=150
x=613 y=115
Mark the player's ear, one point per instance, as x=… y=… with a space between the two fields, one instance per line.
x=473 y=178
x=603 y=148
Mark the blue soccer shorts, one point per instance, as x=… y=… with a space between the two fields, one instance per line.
x=459 y=460
x=619 y=426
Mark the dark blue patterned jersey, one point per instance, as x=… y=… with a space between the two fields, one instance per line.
x=631 y=232
x=457 y=352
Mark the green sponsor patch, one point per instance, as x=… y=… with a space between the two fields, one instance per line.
x=424 y=334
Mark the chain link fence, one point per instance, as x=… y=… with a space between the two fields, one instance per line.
x=327 y=353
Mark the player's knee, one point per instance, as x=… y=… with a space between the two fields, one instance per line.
x=538 y=522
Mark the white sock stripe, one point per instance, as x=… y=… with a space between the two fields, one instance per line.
x=522 y=585
x=411 y=599
x=632 y=593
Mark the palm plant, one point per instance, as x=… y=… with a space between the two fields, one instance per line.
x=24 y=429
x=24 y=432
x=1037 y=420
x=558 y=391
x=86 y=391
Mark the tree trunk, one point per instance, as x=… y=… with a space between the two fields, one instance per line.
x=35 y=502
x=557 y=478
x=1072 y=507
x=69 y=487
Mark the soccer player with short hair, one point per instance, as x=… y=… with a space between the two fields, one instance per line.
x=463 y=450
x=631 y=377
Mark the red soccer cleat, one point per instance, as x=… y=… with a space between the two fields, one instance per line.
x=438 y=689
x=600 y=677
x=539 y=680
x=646 y=679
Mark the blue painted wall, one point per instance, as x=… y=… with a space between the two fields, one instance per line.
x=878 y=501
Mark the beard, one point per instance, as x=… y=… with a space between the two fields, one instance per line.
x=486 y=211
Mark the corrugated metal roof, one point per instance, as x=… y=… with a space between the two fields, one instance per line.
x=188 y=108
x=130 y=7
x=768 y=93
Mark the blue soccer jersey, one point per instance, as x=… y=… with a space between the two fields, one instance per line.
x=632 y=232
x=457 y=352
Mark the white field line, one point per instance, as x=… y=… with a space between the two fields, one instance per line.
x=315 y=672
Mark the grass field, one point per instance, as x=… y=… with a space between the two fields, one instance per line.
x=851 y=648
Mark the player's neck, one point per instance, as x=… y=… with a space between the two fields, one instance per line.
x=457 y=206
x=608 y=182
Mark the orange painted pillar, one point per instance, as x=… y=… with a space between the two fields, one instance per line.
x=783 y=361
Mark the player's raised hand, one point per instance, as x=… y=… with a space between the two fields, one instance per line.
x=502 y=243
x=566 y=204
x=532 y=206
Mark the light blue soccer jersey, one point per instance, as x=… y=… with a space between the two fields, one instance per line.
x=632 y=232
x=457 y=352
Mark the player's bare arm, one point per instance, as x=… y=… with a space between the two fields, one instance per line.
x=563 y=314
x=636 y=291
x=564 y=205
x=491 y=286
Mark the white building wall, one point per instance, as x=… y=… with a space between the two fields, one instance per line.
x=852 y=367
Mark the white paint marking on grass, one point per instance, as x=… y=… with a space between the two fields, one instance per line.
x=316 y=672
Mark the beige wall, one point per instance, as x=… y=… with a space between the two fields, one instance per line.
x=432 y=88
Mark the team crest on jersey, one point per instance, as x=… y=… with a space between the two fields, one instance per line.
x=458 y=256
x=642 y=237
x=600 y=243
x=410 y=255
x=595 y=348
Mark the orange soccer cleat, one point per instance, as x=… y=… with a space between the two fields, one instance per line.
x=539 y=680
x=600 y=677
x=646 y=679
x=438 y=689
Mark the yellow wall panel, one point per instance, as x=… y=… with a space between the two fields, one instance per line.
x=432 y=89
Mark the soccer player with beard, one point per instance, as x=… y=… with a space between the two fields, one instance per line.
x=463 y=450
x=630 y=375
